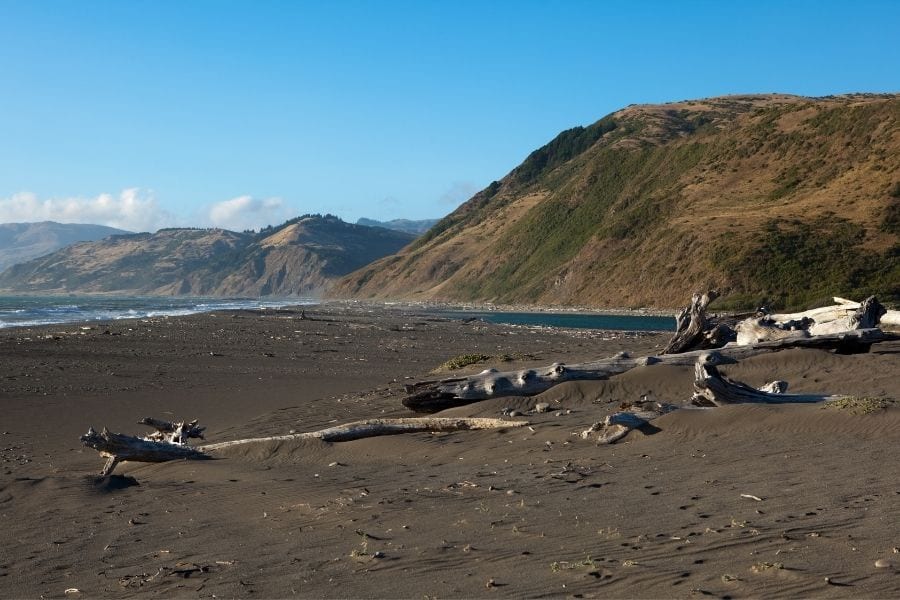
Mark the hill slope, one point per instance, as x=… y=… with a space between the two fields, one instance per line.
x=414 y=227
x=20 y=242
x=300 y=257
x=778 y=198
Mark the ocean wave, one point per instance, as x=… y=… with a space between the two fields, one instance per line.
x=35 y=311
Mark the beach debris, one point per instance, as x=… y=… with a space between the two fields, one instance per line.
x=174 y=433
x=541 y=407
x=694 y=330
x=117 y=447
x=885 y=563
x=186 y=569
x=845 y=315
x=617 y=425
x=711 y=388
x=751 y=497
x=762 y=567
x=436 y=395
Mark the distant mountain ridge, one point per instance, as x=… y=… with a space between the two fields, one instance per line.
x=767 y=198
x=406 y=225
x=20 y=242
x=298 y=258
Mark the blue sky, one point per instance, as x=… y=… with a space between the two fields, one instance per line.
x=144 y=114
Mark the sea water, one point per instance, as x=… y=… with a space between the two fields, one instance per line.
x=623 y=322
x=25 y=311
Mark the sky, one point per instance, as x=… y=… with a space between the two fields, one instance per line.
x=143 y=114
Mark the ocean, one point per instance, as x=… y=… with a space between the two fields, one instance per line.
x=571 y=320
x=25 y=311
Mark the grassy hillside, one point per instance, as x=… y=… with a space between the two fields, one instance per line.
x=299 y=257
x=778 y=199
x=21 y=242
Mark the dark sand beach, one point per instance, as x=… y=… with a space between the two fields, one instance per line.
x=737 y=502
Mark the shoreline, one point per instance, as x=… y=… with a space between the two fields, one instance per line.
x=523 y=512
x=192 y=305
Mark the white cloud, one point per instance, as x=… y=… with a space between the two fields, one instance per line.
x=131 y=209
x=247 y=212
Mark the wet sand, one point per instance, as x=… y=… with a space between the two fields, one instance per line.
x=743 y=501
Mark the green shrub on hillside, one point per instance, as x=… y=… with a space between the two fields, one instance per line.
x=798 y=263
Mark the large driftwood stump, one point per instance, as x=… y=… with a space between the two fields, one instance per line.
x=433 y=396
x=692 y=326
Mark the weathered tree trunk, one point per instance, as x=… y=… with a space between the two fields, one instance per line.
x=846 y=315
x=117 y=447
x=433 y=396
x=692 y=326
x=713 y=388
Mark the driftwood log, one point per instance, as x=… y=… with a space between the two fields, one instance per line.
x=711 y=389
x=842 y=309
x=116 y=447
x=695 y=330
x=433 y=396
x=844 y=316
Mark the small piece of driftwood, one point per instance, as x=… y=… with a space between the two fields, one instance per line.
x=174 y=433
x=116 y=447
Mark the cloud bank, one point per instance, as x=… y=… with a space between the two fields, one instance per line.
x=247 y=212
x=130 y=209
x=136 y=210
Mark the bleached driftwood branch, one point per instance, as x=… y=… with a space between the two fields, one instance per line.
x=117 y=447
x=174 y=433
x=432 y=396
x=711 y=388
x=378 y=427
